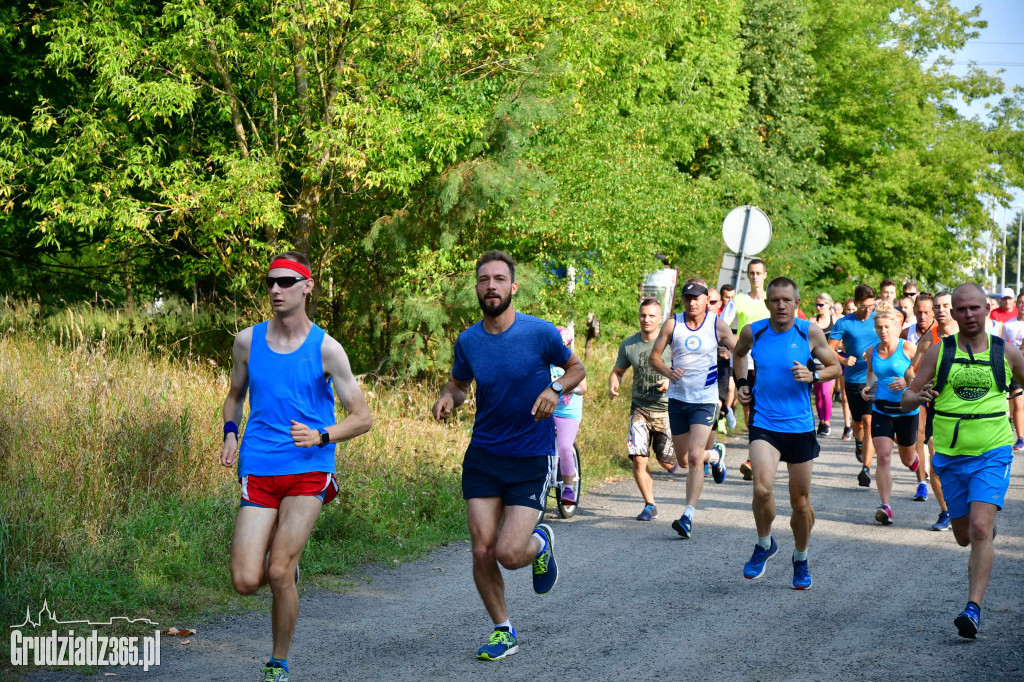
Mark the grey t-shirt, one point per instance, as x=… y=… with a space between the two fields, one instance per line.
x=635 y=353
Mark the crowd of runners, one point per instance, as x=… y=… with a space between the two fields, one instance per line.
x=926 y=375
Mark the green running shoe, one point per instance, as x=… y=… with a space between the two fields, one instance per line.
x=275 y=674
x=502 y=643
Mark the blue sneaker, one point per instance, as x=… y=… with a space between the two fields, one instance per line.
x=545 y=570
x=649 y=513
x=754 y=568
x=944 y=521
x=683 y=525
x=969 y=620
x=922 y=492
x=707 y=470
x=502 y=643
x=718 y=468
x=801 y=575
x=730 y=418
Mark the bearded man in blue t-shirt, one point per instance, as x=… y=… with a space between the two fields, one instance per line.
x=506 y=468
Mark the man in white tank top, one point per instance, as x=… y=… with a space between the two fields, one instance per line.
x=693 y=392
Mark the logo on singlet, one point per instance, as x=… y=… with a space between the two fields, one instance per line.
x=692 y=343
x=970 y=382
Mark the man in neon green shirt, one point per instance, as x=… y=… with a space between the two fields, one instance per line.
x=751 y=308
x=973 y=439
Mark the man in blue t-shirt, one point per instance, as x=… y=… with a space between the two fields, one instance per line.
x=506 y=468
x=856 y=332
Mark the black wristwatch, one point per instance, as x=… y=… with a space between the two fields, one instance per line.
x=556 y=387
x=817 y=377
x=325 y=439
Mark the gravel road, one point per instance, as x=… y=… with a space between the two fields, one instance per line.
x=635 y=601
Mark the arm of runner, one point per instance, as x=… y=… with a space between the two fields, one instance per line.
x=1016 y=360
x=452 y=395
x=869 y=383
x=358 y=420
x=581 y=388
x=923 y=345
x=822 y=352
x=725 y=334
x=657 y=364
x=614 y=381
x=739 y=364
x=235 y=401
x=909 y=350
x=920 y=390
x=547 y=401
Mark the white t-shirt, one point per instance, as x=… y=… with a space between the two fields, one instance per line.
x=1013 y=332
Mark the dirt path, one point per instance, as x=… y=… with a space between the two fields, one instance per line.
x=635 y=601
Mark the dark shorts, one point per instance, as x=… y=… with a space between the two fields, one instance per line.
x=268 y=491
x=794 y=448
x=899 y=428
x=518 y=481
x=929 y=422
x=724 y=373
x=1015 y=388
x=682 y=415
x=858 y=406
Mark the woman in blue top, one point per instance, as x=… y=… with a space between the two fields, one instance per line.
x=568 y=415
x=889 y=372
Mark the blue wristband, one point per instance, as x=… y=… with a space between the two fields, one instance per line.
x=230 y=427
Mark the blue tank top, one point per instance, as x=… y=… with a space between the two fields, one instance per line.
x=283 y=387
x=781 y=403
x=885 y=371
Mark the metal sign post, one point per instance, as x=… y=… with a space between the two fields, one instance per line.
x=746 y=231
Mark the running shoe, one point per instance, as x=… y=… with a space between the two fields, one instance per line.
x=674 y=469
x=858 y=452
x=922 y=492
x=649 y=513
x=944 y=521
x=754 y=568
x=275 y=674
x=501 y=644
x=683 y=525
x=730 y=418
x=568 y=495
x=801 y=575
x=545 y=570
x=824 y=429
x=718 y=468
x=747 y=471
x=707 y=470
x=969 y=621
x=847 y=432
x=884 y=515
x=864 y=477
x=1019 y=445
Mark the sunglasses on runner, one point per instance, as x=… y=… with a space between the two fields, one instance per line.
x=283 y=282
x=821 y=305
x=911 y=294
x=717 y=300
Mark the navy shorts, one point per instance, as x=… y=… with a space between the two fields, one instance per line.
x=518 y=481
x=682 y=415
x=859 y=408
x=794 y=448
x=901 y=428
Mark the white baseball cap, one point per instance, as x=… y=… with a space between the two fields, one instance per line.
x=1007 y=293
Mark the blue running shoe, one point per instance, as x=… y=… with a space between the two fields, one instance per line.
x=754 y=568
x=649 y=513
x=683 y=525
x=969 y=620
x=801 y=575
x=502 y=643
x=707 y=470
x=545 y=570
x=922 y=492
x=944 y=521
x=718 y=468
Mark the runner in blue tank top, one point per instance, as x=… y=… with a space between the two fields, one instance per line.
x=506 y=467
x=783 y=425
x=889 y=372
x=291 y=370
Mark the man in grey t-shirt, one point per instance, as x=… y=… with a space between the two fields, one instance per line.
x=648 y=414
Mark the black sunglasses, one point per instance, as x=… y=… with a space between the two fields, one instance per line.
x=717 y=300
x=283 y=282
x=911 y=294
x=821 y=305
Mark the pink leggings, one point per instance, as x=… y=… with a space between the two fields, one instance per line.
x=823 y=396
x=565 y=436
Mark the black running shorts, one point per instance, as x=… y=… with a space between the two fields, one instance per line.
x=901 y=428
x=858 y=406
x=794 y=448
x=518 y=481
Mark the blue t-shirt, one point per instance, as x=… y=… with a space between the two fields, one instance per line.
x=511 y=369
x=857 y=337
x=781 y=403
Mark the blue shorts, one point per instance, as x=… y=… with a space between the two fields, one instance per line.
x=518 y=481
x=966 y=479
x=682 y=415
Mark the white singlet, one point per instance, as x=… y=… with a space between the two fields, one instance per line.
x=696 y=352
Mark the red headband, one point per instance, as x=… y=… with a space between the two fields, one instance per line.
x=292 y=265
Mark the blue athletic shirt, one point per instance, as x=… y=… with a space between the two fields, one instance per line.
x=511 y=369
x=781 y=403
x=857 y=336
x=283 y=387
x=893 y=367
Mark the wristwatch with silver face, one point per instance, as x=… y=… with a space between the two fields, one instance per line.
x=556 y=387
